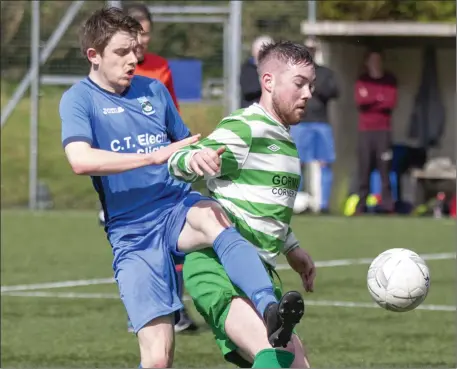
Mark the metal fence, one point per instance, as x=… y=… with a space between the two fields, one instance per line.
x=40 y=47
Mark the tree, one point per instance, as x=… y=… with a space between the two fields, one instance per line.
x=281 y=20
x=402 y=10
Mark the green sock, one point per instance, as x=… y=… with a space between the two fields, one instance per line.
x=271 y=358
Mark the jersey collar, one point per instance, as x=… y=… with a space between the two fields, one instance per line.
x=125 y=92
x=275 y=121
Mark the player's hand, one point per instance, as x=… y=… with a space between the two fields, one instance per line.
x=161 y=156
x=363 y=92
x=206 y=161
x=301 y=262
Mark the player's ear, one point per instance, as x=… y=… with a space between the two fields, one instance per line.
x=93 y=56
x=267 y=81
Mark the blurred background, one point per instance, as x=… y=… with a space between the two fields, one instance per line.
x=378 y=138
x=206 y=44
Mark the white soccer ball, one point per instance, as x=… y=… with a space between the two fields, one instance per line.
x=301 y=202
x=398 y=280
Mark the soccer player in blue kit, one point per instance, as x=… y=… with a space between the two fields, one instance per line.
x=120 y=129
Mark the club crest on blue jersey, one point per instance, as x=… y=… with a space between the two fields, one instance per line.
x=146 y=106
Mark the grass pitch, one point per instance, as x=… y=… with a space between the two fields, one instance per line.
x=87 y=326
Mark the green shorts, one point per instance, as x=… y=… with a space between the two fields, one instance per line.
x=212 y=292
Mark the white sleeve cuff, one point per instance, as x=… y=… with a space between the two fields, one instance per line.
x=290 y=244
x=187 y=160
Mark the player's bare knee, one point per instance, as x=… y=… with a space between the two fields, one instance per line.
x=156 y=356
x=156 y=341
x=301 y=358
x=155 y=361
x=246 y=329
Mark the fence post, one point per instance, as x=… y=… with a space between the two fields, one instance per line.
x=34 y=104
x=235 y=52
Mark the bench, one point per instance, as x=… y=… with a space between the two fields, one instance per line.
x=428 y=182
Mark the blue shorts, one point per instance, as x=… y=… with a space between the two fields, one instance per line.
x=314 y=142
x=143 y=265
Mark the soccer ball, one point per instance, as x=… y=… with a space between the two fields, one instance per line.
x=398 y=280
x=301 y=202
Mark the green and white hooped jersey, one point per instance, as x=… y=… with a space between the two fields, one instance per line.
x=258 y=180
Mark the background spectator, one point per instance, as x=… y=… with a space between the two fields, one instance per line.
x=249 y=78
x=149 y=64
x=376 y=97
x=314 y=136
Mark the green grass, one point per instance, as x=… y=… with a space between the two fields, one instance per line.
x=53 y=332
x=68 y=190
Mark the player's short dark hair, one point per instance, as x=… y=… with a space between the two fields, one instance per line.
x=285 y=51
x=140 y=12
x=101 y=26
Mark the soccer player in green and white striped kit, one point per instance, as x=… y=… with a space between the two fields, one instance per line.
x=252 y=168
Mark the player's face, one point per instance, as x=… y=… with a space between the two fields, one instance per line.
x=292 y=88
x=118 y=62
x=145 y=36
x=144 y=39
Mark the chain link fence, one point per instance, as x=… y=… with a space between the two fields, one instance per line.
x=198 y=30
x=181 y=31
x=16 y=38
x=277 y=19
x=175 y=36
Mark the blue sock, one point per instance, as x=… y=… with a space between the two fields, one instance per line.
x=139 y=366
x=244 y=267
x=326 y=183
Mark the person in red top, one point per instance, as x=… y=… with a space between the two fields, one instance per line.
x=154 y=66
x=376 y=97
x=149 y=64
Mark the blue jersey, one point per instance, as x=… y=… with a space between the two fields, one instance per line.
x=141 y=120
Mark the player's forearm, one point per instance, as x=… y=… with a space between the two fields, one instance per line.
x=234 y=137
x=94 y=162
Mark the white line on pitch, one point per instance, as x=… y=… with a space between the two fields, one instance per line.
x=365 y=261
x=42 y=286
x=348 y=304
x=373 y=305
x=99 y=281
x=63 y=295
